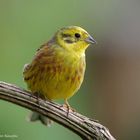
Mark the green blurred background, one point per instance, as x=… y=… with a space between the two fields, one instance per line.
x=111 y=89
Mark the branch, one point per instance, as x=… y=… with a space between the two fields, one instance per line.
x=86 y=128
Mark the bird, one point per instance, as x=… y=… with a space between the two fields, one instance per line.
x=57 y=69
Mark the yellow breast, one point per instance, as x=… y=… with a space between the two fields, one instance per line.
x=66 y=82
x=59 y=78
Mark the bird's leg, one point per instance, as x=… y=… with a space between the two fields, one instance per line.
x=38 y=96
x=68 y=107
x=66 y=104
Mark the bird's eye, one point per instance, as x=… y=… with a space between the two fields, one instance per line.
x=77 y=35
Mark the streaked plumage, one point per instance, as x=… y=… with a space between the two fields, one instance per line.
x=57 y=70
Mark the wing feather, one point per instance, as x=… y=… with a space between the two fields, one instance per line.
x=45 y=65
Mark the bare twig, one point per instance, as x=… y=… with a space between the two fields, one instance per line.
x=86 y=128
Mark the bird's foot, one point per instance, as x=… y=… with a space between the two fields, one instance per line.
x=39 y=97
x=68 y=107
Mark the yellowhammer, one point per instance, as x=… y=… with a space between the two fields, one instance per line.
x=57 y=70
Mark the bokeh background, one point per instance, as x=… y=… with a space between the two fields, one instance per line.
x=111 y=89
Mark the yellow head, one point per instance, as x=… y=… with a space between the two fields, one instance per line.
x=74 y=38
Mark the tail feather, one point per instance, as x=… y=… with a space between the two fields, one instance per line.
x=34 y=116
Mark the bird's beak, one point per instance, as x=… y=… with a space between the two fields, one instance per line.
x=90 y=40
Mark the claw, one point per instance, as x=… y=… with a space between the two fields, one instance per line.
x=38 y=96
x=68 y=107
